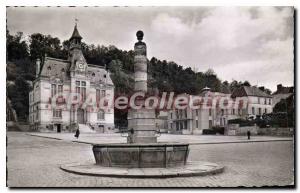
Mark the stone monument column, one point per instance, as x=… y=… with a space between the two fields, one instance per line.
x=141 y=122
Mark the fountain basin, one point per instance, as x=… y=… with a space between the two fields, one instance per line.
x=147 y=155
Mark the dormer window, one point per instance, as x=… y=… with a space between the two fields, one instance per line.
x=62 y=70
x=93 y=74
x=48 y=71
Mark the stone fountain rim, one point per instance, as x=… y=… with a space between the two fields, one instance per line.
x=195 y=168
x=162 y=144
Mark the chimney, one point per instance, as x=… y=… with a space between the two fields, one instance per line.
x=279 y=87
x=37 y=67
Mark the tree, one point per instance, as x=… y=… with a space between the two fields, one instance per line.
x=246 y=83
x=16 y=47
x=40 y=45
x=18 y=93
x=287 y=106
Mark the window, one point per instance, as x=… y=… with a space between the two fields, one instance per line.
x=171 y=115
x=77 y=89
x=222 y=111
x=80 y=89
x=83 y=93
x=100 y=115
x=60 y=89
x=269 y=101
x=209 y=112
x=266 y=111
x=53 y=90
x=48 y=71
x=37 y=113
x=258 y=100
x=196 y=112
x=265 y=101
x=102 y=93
x=185 y=113
x=185 y=125
x=57 y=113
x=210 y=124
x=97 y=94
x=196 y=123
x=253 y=111
x=233 y=111
x=259 y=111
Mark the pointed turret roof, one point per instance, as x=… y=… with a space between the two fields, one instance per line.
x=75 y=33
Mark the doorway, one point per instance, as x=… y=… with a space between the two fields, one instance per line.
x=80 y=116
x=58 y=128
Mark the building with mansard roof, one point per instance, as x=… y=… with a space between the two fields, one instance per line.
x=207 y=116
x=61 y=89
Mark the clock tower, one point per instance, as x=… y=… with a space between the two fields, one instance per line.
x=78 y=62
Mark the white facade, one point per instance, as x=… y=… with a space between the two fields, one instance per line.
x=57 y=101
x=193 y=121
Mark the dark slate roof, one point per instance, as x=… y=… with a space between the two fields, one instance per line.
x=249 y=91
x=98 y=75
x=55 y=68
x=75 y=34
x=225 y=89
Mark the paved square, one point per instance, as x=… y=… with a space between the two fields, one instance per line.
x=34 y=162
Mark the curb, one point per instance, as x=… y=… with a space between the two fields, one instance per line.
x=196 y=143
x=226 y=142
x=43 y=136
x=186 y=173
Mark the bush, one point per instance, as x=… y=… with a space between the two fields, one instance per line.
x=219 y=129
x=241 y=122
x=209 y=132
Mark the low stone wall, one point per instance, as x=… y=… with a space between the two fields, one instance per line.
x=186 y=132
x=280 y=131
x=235 y=129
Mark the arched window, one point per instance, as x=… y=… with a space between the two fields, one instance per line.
x=100 y=115
x=93 y=74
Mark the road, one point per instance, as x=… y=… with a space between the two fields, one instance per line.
x=34 y=162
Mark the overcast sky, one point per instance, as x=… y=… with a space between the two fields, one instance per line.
x=241 y=43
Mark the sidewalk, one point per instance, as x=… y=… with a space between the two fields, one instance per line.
x=104 y=138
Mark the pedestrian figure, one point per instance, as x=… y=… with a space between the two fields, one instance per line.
x=248 y=134
x=77 y=133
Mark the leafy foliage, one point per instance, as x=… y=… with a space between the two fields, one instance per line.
x=287 y=106
x=163 y=75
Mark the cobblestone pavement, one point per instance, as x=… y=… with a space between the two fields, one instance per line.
x=35 y=161
x=192 y=139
